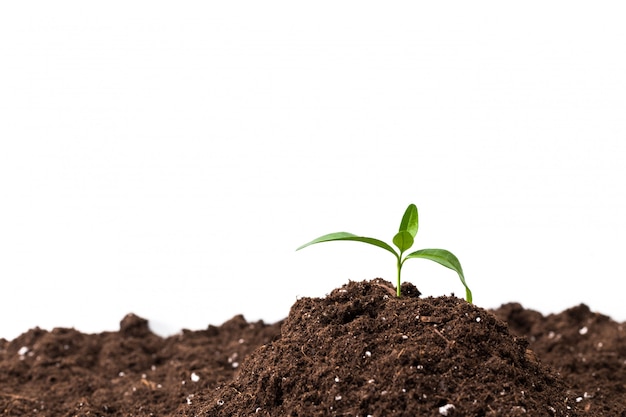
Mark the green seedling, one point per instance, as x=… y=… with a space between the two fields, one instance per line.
x=403 y=240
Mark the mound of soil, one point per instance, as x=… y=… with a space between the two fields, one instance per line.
x=359 y=351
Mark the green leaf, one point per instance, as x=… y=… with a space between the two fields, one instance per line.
x=349 y=236
x=410 y=220
x=403 y=240
x=446 y=259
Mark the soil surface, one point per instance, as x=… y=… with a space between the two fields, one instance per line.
x=359 y=351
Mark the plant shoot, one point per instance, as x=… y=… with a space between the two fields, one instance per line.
x=403 y=240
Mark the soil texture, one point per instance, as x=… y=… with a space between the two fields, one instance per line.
x=359 y=351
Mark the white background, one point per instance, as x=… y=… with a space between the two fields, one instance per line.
x=166 y=158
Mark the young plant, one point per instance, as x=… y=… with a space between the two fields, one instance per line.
x=403 y=240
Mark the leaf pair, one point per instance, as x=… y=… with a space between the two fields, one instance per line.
x=403 y=240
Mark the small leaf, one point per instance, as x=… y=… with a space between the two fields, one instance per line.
x=446 y=259
x=410 y=220
x=403 y=240
x=349 y=236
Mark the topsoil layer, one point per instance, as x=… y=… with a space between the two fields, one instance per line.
x=359 y=351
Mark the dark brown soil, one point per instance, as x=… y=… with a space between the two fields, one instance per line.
x=360 y=351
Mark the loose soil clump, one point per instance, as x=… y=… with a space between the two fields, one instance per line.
x=359 y=351
x=587 y=349
x=132 y=372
